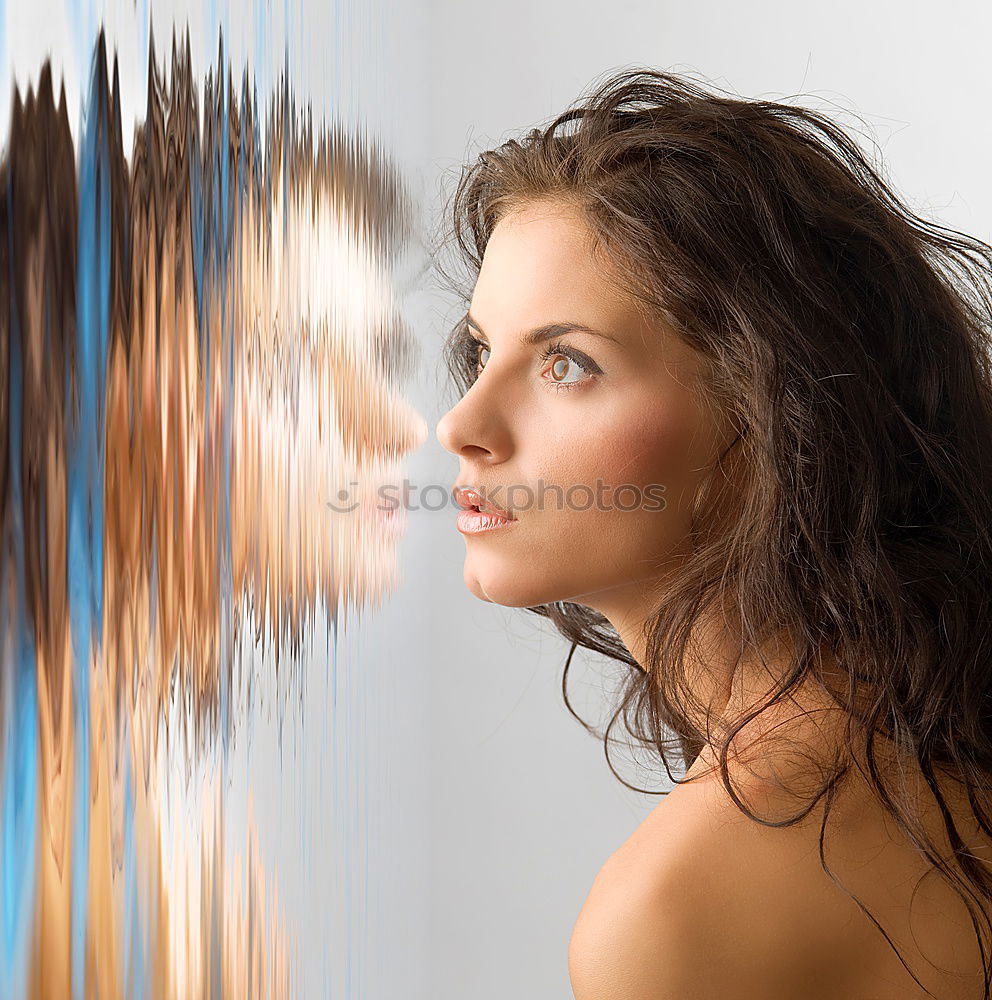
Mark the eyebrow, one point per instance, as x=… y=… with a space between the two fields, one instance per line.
x=549 y=331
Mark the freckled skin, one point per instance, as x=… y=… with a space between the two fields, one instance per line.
x=639 y=423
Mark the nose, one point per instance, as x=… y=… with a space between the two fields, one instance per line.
x=471 y=430
x=374 y=420
x=390 y=427
x=445 y=432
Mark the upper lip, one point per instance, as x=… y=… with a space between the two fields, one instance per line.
x=472 y=496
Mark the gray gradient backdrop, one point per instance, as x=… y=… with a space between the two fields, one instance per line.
x=522 y=809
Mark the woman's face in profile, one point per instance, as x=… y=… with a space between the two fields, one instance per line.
x=604 y=410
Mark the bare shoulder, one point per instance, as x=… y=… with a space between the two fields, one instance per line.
x=704 y=902
x=642 y=945
x=635 y=945
x=697 y=903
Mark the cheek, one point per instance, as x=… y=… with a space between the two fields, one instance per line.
x=652 y=449
x=644 y=443
x=592 y=536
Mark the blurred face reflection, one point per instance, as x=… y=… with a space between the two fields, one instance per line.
x=248 y=388
x=313 y=450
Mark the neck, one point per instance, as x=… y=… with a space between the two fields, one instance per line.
x=724 y=682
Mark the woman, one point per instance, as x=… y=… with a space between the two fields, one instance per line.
x=798 y=365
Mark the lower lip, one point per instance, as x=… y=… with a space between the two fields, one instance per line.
x=392 y=521
x=474 y=522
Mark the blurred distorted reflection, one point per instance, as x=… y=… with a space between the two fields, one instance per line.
x=201 y=362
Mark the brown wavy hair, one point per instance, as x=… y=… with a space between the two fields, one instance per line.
x=849 y=339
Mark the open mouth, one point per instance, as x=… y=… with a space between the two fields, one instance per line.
x=476 y=509
x=463 y=496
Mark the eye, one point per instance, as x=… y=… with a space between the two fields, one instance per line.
x=475 y=354
x=394 y=351
x=466 y=352
x=481 y=349
x=564 y=358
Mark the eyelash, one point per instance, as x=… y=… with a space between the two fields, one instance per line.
x=472 y=347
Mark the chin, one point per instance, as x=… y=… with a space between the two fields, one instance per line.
x=378 y=576
x=511 y=590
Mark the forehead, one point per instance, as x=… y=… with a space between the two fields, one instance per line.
x=539 y=266
x=324 y=275
x=544 y=240
x=345 y=283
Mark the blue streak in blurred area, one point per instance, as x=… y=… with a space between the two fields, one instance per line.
x=20 y=724
x=85 y=500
